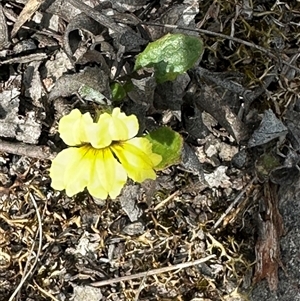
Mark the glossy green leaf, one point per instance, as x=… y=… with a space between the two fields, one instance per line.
x=117 y=91
x=170 y=56
x=168 y=144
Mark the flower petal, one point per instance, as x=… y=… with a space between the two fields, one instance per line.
x=98 y=133
x=123 y=127
x=70 y=170
x=137 y=158
x=107 y=175
x=115 y=127
x=72 y=127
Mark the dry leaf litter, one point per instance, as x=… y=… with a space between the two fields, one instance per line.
x=204 y=229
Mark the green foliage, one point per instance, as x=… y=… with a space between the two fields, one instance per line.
x=265 y=164
x=170 y=56
x=168 y=144
x=117 y=91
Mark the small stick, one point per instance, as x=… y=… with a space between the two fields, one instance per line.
x=22 y=149
x=152 y=272
x=25 y=58
x=141 y=286
x=236 y=200
x=166 y=200
x=44 y=292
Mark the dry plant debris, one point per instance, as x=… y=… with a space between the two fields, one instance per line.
x=191 y=233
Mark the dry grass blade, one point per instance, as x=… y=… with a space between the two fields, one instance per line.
x=29 y=9
x=40 y=234
x=236 y=200
x=140 y=289
x=45 y=292
x=153 y=272
x=166 y=200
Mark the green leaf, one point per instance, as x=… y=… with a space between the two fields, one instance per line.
x=117 y=91
x=168 y=144
x=171 y=55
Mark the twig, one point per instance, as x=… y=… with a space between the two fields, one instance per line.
x=224 y=36
x=45 y=292
x=40 y=233
x=153 y=272
x=236 y=200
x=25 y=59
x=166 y=200
x=22 y=149
x=141 y=286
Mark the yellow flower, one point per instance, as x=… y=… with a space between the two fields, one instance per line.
x=102 y=154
